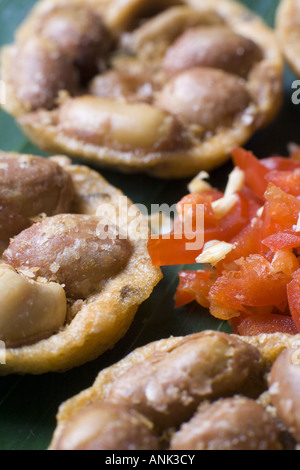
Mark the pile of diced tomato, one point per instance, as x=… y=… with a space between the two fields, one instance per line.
x=256 y=287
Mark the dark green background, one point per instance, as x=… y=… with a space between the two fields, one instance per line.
x=28 y=405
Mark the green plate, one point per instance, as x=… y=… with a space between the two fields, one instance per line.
x=28 y=405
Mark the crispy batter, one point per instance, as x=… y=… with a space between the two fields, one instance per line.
x=135 y=76
x=264 y=350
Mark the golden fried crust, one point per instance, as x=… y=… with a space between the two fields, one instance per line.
x=268 y=347
x=178 y=149
x=288 y=31
x=98 y=322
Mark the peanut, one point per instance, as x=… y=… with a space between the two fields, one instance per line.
x=41 y=71
x=70 y=249
x=151 y=39
x=216 y=47
x=229 y=424
x=105 y=426
x=284 y=389
x=80 y=34
x=29 y=310
x=30 y=186
x=208 y=97
x=121 y=84
x=167 y=388
x=118 y=125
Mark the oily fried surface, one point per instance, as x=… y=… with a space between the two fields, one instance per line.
x=228 y=365
x=122 y=116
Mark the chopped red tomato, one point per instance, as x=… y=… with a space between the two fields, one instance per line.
x=194 y=285
x=236 y=219
x=192 y=201
x=285 y=261
x=255 y=283
x=265 y=323
x=254 y=203
x=281 y=210
x=280 y=163
x=246 y=242
x=172 y=250
x=286 y=240
x=288 y=181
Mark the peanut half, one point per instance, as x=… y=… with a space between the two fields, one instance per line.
x=29 y=310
